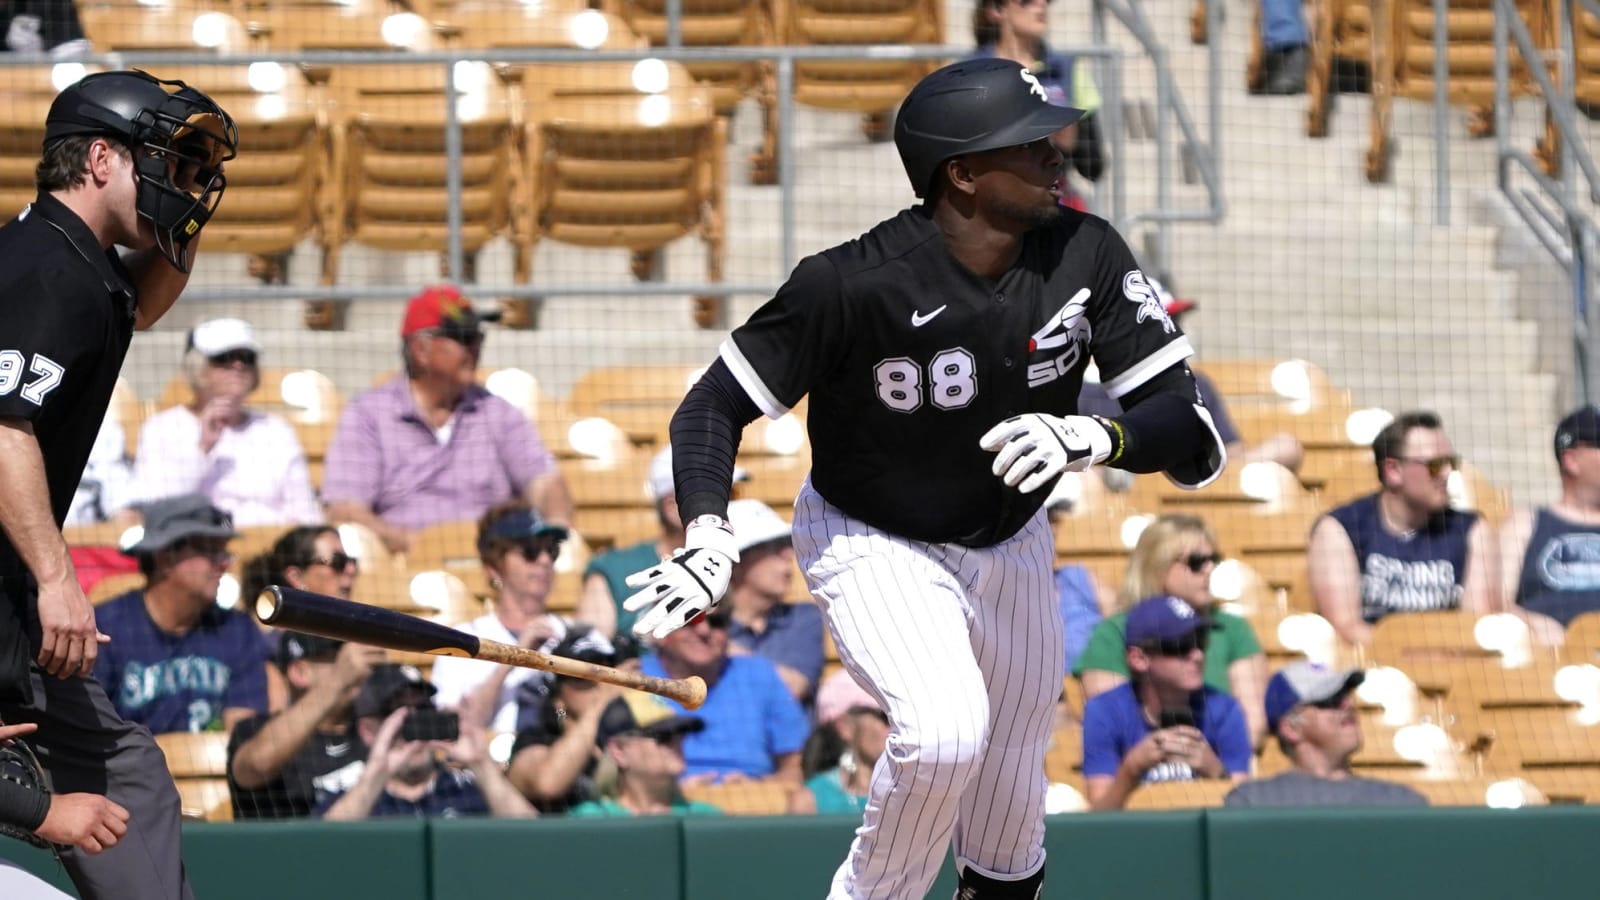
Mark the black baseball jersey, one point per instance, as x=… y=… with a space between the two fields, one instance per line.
x=68 y=305
x=909 y=358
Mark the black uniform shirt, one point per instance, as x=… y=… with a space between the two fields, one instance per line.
x=326 y=764
x=66 y=319
x=909 y=358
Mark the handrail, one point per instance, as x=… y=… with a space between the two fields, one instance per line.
x=1204 y=156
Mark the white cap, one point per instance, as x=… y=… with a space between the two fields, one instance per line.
x=753 y=523
x=215 y=337
x=659 y=483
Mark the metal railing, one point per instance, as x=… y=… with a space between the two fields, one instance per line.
x=1110 y=61
x=1550 y=208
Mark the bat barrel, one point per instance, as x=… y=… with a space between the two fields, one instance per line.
x=363 y=623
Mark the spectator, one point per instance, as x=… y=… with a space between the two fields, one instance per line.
x=248 y=463
x=642 y=763
x=1310 y=710
x=34 y=27
x=176 y=660
x=763 y=623
x=1176 y=555
x=431 y=445
x=1282 y=448
x=1015 y=30
x=754 y=727
x=1284 y=39
x=1402 y=549
x=1082 y=599
x=519 y=550
x=605 y=583
x=1166 y=724
x=852 y=731
x=1551 y=556
x=107 y=478
x=279 y=765
x=405 y=777
x=87 y=822
x=553 y=760
x=307 y=557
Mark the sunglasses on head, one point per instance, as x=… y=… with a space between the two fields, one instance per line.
x=234 y=357
x=534 y=547
x=338 y=562
x=1179 y=646
x=1197 y=562
x=1436 y=465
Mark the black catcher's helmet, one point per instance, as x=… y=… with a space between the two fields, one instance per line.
x=969 y=107
x=179 y=138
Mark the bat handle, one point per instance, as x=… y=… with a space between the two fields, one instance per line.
x=689 y=692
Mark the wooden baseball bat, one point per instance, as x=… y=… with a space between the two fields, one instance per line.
x=297 y=610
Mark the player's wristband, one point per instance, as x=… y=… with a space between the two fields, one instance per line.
x=1119 y=438
x=711 y=532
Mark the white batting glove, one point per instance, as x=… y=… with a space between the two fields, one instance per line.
x=1034 y=448
x=677 y=589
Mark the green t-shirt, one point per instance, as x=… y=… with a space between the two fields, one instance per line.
x=595 y=809
x=1232 y=641
x=615 y=567
x=831 y=795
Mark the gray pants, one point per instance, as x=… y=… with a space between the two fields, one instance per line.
x=86 y=747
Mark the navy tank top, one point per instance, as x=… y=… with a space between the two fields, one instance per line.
x=1561 y=569
x=1420 y=571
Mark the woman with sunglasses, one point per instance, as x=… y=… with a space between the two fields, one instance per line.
x=518 y=550
x=1176 y=555
x=306 y=557
x=248 y=463
x=1015 y=30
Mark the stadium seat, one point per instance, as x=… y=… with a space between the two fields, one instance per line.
x=1403 y=65
x=198 y=762
x=492 y=26
x=639 y=399
x=274 y=185
x=26 y=91
x=1471 y=490
x=1206 y=793
x=1478 y=791
x=114 y=586
x=706 y=23
x=625 y=155
x=157 y=29
x=441 y=596
x=388 y=156
x=1341 y=34
x=1470 y=683
x=743 y=798
x=1528 y=739
x=1583 y=639
x=1402 y=638
x=873 y=87
x=127 y=410
x=1063 y=761
x=1272 y=382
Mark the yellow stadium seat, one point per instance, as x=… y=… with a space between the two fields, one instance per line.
x=1204 y=793
x=163 y=28
x=494 y=26
x=1478 y=791
x=743 y=798
x=1402 y=638
x=639 y=399
x=195 y=754
x=1583 y=638
x=27 y=92
x=114 y=586
x=1341 y=34
x=706 y=23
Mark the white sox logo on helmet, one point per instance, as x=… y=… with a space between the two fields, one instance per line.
x=1067 y=328
x=1034 y=87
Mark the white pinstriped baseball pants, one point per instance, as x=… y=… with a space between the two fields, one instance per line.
x=964 y=648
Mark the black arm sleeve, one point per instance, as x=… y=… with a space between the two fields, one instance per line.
x=1160 y=428
x=705 y=435
x=1088 y=153
x=22 y=806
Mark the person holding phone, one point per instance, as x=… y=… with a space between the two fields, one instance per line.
x=422 y=762
x=1165 y=723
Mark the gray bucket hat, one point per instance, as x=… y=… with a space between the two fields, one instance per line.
x=171 y=519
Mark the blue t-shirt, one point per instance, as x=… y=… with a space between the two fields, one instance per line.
x=454 y=794
x=1114 y=722
x=750 y=718
x=1561 y=568
x=1420 y=571
x=168 y=682
x=1080 y=609
x=793 y=638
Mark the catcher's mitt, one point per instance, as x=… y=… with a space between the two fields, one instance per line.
x=19 y=766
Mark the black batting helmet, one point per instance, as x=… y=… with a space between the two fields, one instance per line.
x=179 y=137
x=969 y=107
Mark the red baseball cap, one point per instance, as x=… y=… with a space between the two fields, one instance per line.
x=441 y=308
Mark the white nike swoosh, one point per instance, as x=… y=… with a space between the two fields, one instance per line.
x=918 y=320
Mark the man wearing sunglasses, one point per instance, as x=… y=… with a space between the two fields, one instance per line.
x=177 y=661
x=1165 y=724
x=1311 y=710
x=1402 y=549
x=432 y=445
x=248 y=463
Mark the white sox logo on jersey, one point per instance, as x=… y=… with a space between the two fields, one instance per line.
x=1067 y=328
x=1034 y=86
x=1138 y=289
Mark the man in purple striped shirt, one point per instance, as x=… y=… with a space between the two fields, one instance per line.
x=431 y=445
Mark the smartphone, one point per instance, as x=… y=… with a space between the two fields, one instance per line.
x=427 y=724
x=1172 y=718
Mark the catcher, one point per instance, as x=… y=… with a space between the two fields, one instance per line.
x=29 y=812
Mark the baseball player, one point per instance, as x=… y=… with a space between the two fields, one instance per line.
x=128 y=160
x=943 y=351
